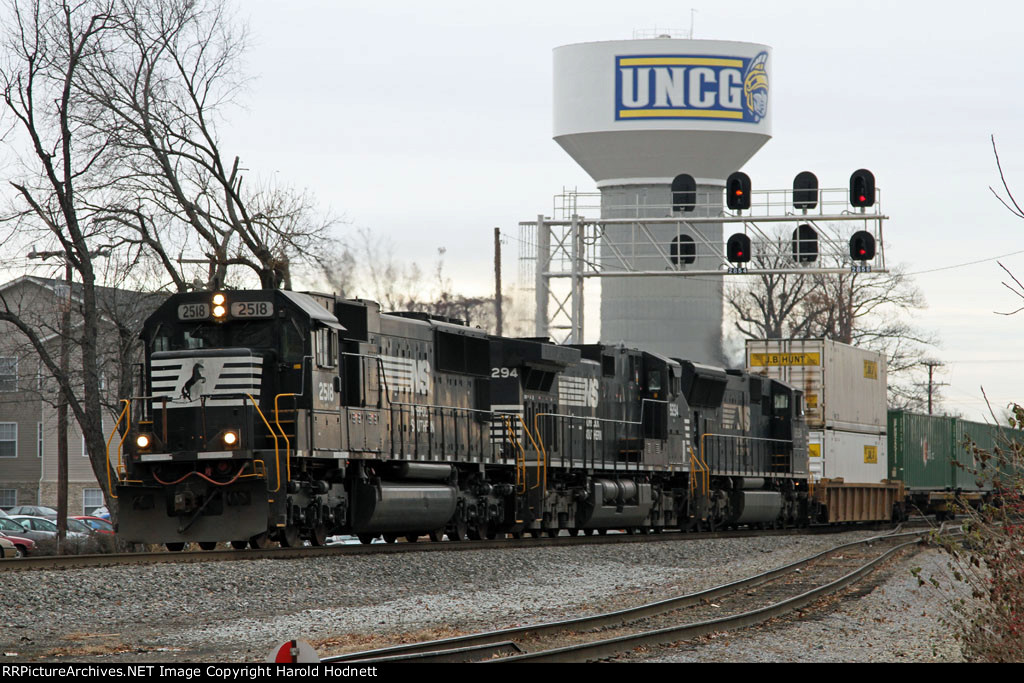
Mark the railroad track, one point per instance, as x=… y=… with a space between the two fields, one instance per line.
x=117 y=559
x=723 y=608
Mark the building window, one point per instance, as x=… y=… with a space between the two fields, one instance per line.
x=91 y=499
x=8 y=439
x=8 y=498
x=8 y=373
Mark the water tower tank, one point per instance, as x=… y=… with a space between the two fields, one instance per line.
x=635 y=114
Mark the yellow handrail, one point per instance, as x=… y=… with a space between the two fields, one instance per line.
x=698 y=468
x=127 y=411
x=520 y=456
x=540 y=449
x=287 y=444
x=277 y=455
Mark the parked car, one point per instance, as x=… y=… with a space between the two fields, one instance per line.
x=23 y=546
x=43 y=530
x=102 y=513
x=7 y=548
x=33 y=510
x=98 y=524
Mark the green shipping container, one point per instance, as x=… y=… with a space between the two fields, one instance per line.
x=924 y=451
x=920 y=447
x=978 y=473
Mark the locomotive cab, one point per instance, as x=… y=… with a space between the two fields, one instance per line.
x=227 y=375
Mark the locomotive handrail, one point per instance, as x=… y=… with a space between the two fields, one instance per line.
x=540 y=450
x=697 y=466
x=120 y=444
x=703 y=440
x=277 y=455
x=382 y=378
x=520 y=461
x=287 y=443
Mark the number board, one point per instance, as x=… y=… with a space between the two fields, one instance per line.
x=252 y=309
x=193 y=311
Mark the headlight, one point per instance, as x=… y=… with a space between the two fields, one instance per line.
x=142 y=441
x=218 y=299
x=230 y=438
x=219 y=311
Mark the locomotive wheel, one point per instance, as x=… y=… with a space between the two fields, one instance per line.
x=553 y=533
x=318 y=536
x=458 y=531
x=412 y=538
x=288 y=537
x=536 y=533
x=589 y=532
x=239 y=545
x=437 y=535
x=260 y=541
x=208 y=545
x=518 y=534
x=175 y=547
x=473 y=533
x=574 y=532
x=390 y=538
x=602 y=532
x=366 y=539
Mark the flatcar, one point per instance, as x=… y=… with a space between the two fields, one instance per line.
x=278 y=416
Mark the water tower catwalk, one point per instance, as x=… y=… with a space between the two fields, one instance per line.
x=635 y=114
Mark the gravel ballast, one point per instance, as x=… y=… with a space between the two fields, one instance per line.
x=239 y=611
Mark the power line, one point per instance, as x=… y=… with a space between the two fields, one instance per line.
x=964 y=265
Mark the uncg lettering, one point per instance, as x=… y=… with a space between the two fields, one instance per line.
x=677 y=87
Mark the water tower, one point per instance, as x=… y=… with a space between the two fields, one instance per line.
x=635 y=114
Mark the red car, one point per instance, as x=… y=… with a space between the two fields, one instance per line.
x=23 y=547
x=97 y=524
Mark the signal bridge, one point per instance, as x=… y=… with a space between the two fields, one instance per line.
x=771 y=237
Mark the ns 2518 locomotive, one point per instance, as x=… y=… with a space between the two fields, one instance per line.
x=278 y=416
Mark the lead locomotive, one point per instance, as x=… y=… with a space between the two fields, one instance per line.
x=280 y=416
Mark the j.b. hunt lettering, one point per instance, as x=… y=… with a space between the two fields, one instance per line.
x=699 y=87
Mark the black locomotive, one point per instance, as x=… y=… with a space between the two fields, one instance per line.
x=281 y=416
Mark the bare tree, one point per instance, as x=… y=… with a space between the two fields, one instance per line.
x=156 y=89
x=45 y=49
x=773 y=305
x=111 y=108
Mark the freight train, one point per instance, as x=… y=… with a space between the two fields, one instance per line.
x=278 y=416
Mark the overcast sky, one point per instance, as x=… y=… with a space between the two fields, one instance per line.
x=430 y=124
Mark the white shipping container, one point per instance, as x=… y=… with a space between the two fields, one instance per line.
x=844 y=386
x=855 y=457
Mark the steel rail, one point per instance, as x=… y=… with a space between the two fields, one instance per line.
x=612 y=646
x=46 y=562
x=616 y=617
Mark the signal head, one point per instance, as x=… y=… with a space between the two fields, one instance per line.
x=737 y=249
x=684 y=192
x=737 y=191
x=862 y=188
x=862 y=246
x=805 y=190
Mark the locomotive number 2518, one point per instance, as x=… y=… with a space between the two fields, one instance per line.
x=252 y=309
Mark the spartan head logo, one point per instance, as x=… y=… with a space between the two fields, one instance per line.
x=755 y=86
x=196 y=378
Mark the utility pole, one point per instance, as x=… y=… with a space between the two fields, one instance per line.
x=62 y=402
x=931 y=365
x=497 y=280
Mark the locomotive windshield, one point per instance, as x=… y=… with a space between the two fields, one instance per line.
x=256 y=334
